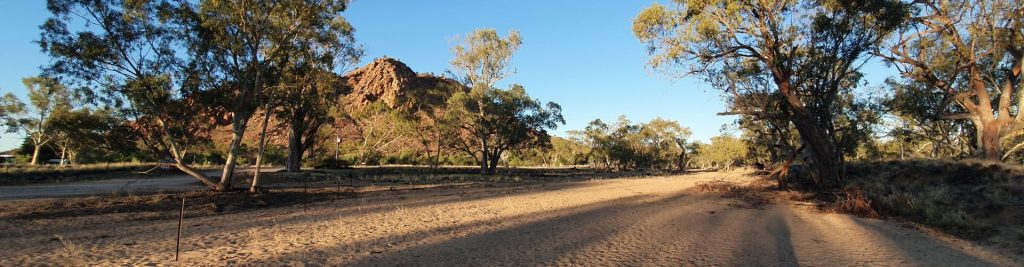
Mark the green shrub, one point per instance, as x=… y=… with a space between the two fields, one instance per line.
x=331 y=163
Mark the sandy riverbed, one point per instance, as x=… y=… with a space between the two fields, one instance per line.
x=643 y=221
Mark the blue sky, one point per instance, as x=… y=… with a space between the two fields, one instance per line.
x=580 y=54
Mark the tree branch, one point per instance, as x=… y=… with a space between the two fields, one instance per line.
x=760 y=115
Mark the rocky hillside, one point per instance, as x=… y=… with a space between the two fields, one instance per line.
x=391 y=81
x=385 y=79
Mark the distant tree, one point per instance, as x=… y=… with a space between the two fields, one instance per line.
x=80 y=129
x=46 y=98
x=811 y=50
x=431 y=131
x=725 y=151
x=658 y=144
x=669 y=139
x=693 y=150
x=493 y=121
x=596 y=136
x=916 y=131
x=9 y=106
x=568 y=151
x=968 y=54
x=305 y=101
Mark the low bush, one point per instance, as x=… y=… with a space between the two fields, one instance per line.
x=332 y=164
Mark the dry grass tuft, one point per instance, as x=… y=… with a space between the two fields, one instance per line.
x=757 y=194
x=854 y=202
x=70 y=253
x=969 y=198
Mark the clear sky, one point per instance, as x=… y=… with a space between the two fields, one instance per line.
x=580 y=54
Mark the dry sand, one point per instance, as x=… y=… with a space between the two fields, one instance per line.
x=644 y=221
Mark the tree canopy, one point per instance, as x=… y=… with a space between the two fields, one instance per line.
x=806 y=52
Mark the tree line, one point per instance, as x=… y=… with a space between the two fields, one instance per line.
x=166 y=74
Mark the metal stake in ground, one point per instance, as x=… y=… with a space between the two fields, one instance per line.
x=181 y=217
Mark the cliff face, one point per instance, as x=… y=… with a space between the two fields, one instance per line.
x=385 y=79
x=391 y=81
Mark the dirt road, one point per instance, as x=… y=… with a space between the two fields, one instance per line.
x=132 y=184
x=651 y=221
x=102 y=187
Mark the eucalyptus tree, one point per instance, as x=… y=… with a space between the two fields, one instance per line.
x=309 y=87
x=596 y=136
x=481 y=60
x=82 y=129
x=247 y=45
x=669 y=140
x=431 y=130
x=304 y=101
x=810 y=49
x=917 y=131
x=658 y=144
x=131 y=55
x=724 y=151
x=46 y=97
x=9 y=105
x=497 y=120
x=969 y=55
x=568 y=151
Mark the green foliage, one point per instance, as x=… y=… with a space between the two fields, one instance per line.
x=332 y=164
x=177 y=67
x=568 y=152
x=801 y=58
x=917 y=131
x=46 y=98
x=491 y=121
x=725 y=151
x=483 y=58
x=96 y=134
x=9 y=107
x=134 y=58
x=658 y=144
x=488 y=121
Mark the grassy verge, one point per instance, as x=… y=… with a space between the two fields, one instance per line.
x=29 y=174
x=291 y=189
x=426 y=175
x=974 y=199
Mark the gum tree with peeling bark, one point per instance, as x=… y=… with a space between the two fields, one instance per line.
x=971 y=54
x=811 y=49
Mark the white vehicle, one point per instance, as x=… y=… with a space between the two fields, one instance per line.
x=7 y=160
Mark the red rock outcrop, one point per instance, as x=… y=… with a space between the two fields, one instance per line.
x=391 y=81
